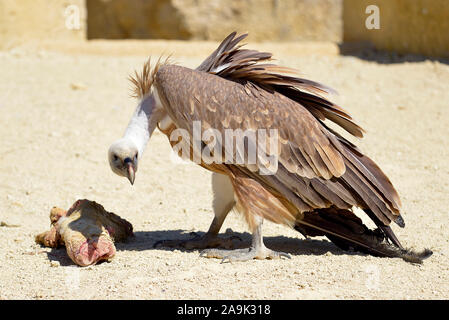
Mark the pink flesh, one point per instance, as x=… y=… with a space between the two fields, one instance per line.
x=92 y=251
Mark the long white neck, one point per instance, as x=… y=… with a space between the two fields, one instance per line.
x=143 y=123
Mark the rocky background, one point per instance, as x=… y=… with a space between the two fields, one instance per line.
x=277 y=20
x=418 y=26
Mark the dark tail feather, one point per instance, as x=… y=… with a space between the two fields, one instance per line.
x=347 y=231
x=386 y=229
x=389 y=233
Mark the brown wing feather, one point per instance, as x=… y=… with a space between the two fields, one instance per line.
x=317 y=169
x=306 y=153
x=231 y=62
x=255 y=199
x=299 y=132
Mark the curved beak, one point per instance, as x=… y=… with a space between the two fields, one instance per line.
x=131 y=173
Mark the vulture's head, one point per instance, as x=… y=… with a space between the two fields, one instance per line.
x=123 y=157
x=124 y=153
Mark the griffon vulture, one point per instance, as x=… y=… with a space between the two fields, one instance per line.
x=318 y=177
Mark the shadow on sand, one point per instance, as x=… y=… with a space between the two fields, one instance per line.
x=145 y=240
x=367 y=51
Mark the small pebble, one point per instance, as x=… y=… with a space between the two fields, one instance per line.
x=55 y=264
x=7 y=225
x=78 y=86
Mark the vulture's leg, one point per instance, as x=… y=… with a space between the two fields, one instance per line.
x=256 y=251
x=222 y=204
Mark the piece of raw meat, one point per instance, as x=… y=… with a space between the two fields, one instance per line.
x=87 y=230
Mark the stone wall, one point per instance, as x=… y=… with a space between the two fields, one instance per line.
x=275 y=20
x=25 y=20
x=406 y=26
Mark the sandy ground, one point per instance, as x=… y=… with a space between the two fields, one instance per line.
x=61 y=106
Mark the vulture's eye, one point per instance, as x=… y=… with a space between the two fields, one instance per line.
x=115 y=158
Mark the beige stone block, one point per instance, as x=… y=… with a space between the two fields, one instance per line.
x=26 y=20
x=266 y=20
x=406 y=26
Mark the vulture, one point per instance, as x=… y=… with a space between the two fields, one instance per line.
x=309 y=178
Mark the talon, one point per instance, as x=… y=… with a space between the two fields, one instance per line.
x=243 y=254
x=224 y=260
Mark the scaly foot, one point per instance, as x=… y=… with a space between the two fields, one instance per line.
x=243 y=254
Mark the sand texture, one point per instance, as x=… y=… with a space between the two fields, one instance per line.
x=62 y=106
